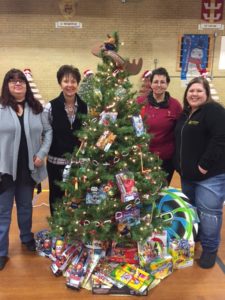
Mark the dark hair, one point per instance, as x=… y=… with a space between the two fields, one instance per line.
x=8 y=100
x=160 y=71
x=205 y=84
x=67 y=70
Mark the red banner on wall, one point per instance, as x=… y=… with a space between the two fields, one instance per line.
x=212 y=10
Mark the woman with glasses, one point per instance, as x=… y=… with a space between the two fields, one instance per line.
x=160 y=114
x=26 y=137
x=64 y=116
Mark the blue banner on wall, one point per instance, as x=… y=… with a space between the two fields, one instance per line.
x=194 y=55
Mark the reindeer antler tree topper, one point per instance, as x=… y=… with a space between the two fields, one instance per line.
x=109 y=49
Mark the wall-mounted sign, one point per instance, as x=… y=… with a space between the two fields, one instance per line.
x=210 y=26
x=61 y=24
x=212 y=10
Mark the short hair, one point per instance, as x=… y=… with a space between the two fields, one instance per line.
x=66 y=70
x=204 y=82
x=160 y=71
x=8 y=100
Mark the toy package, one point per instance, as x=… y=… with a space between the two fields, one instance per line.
x=107 y=117
x=182 y=252
x=138 y=125
x=121 y=252
x=43 y=243
x=133 y=277
x=74 y=261
x=77 y=271
x=102 y=273
x=127 y=219
x=95 y=195
x=154 y=246
x=62 y=263
x=160 y=267
x=105 y=141
x=100 y=288
x=93 y=261
x=58 y=246
x=126 y=184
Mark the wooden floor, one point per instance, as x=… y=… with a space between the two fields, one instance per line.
x=28 y=276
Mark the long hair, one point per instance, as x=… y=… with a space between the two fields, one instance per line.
x=204 y=82
x=8 y=100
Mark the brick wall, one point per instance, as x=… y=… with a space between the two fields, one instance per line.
x=148 y=28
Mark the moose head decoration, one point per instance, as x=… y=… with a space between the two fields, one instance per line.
x=109 y=48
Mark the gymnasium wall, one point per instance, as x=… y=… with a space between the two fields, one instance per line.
x=147 y=28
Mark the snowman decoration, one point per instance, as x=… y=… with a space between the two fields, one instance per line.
x=194 y=63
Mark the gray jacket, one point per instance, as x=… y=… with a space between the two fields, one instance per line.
x=38 y=133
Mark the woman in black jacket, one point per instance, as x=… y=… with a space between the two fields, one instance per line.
x=64 y=114
x=200 y=161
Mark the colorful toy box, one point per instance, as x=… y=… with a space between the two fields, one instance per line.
x=160 y=267
x=182 y=252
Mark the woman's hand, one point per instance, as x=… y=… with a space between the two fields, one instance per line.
x=201 y=170
x=38 y=162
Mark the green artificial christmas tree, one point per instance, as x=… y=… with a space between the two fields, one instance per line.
x=113 y=182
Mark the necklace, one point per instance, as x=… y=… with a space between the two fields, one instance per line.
x=70 y=108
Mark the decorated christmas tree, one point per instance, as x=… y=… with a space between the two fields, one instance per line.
x=113 y=181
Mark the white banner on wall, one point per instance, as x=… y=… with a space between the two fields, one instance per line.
x=222 y=54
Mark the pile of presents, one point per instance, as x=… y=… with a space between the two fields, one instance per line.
x=116 y=268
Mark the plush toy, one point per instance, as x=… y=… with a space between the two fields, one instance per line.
x=110 y=43
x=109 y=50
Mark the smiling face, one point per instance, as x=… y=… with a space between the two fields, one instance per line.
x=196 y=96
x=69 y=86
x=159 y=86
x=17 y=88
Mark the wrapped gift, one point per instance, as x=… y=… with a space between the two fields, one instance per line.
x=182 y=252
x=155 y=246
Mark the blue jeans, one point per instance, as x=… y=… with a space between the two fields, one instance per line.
x=208 y=196
x=23 y=196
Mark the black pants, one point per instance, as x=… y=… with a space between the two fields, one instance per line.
x=55 y=173
x=167 y=166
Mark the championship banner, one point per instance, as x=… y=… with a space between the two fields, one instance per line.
x=194 y=55
x=212 y=10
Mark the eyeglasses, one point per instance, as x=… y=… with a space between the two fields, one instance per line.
x=15 y=81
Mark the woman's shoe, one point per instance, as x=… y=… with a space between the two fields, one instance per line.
x=31 y=245
x=207 y=259
x=3 y=261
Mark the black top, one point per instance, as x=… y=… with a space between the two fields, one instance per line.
x=23 y=173
x=64 y=138
x=200 y=140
